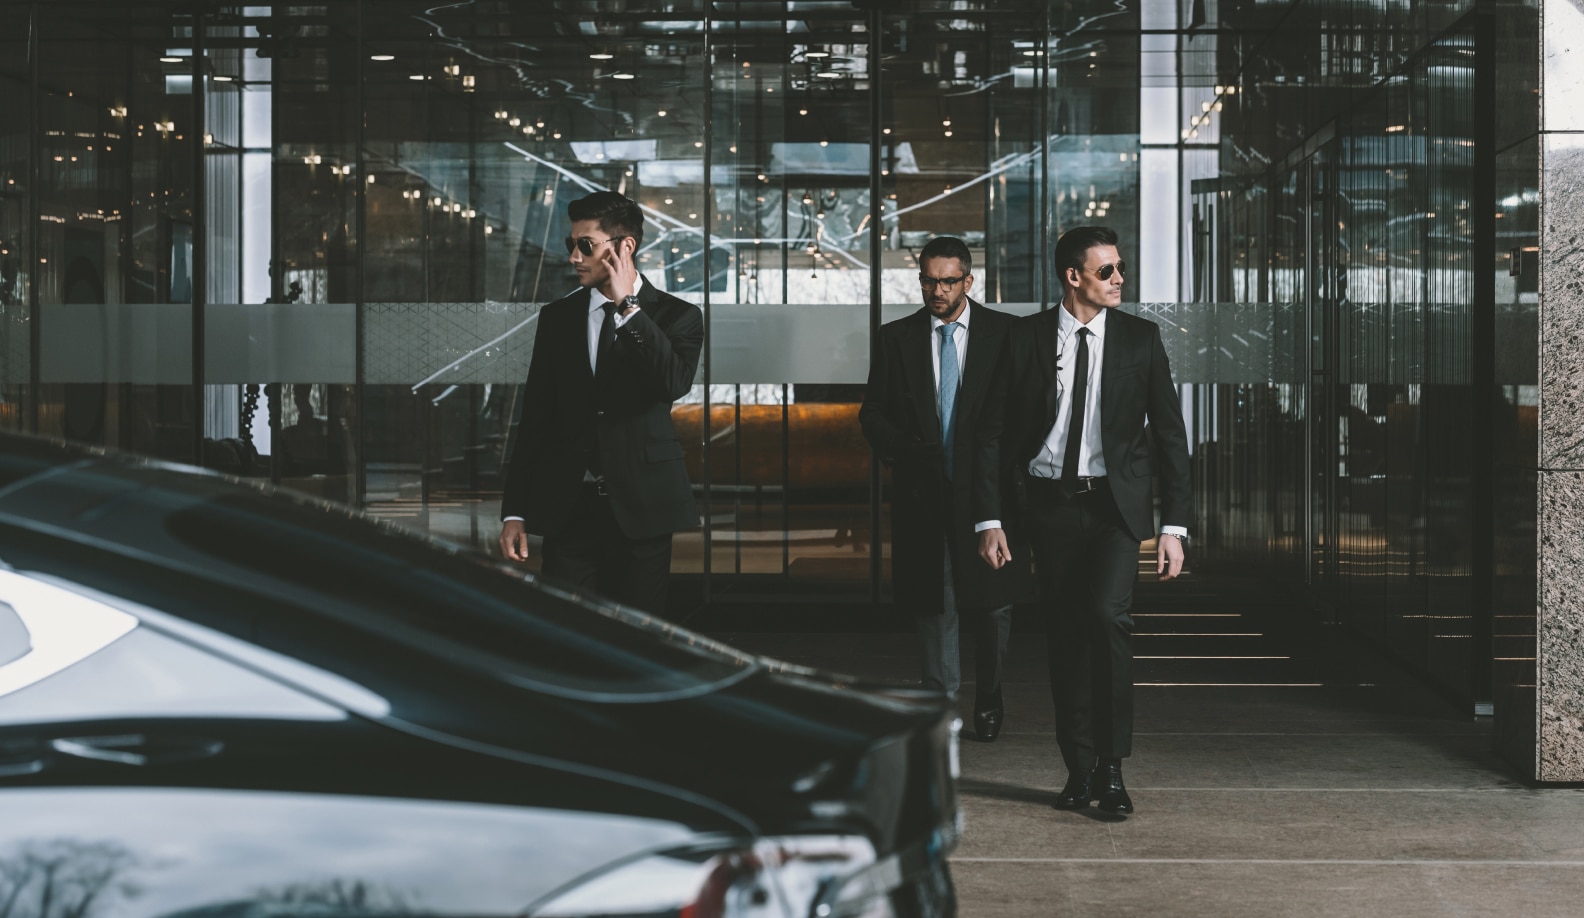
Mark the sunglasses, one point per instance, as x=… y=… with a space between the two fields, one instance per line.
x=930 y=283
x=586 y=245
x=1104 y=272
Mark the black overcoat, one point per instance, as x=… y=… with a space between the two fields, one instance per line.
x=899 y=419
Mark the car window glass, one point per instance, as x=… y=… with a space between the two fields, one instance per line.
x=149 y=675
x=14 y=637
x=396 y=588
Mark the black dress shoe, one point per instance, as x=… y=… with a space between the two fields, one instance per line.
x=1109 y=789
x=988 y=717
x=1077 y=792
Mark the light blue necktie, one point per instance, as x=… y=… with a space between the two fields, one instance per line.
x=946 y=396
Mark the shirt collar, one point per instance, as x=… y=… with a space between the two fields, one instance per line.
x=598 y=300
x=1096 y=326
x=962 y=320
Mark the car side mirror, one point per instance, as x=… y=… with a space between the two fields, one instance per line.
x=15 y=640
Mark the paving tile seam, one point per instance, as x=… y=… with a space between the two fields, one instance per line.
x=1329 y=789
x=1266 y=861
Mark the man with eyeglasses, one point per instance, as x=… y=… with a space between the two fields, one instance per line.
x=930 y=380
x=597 y=469
x=1092 y=415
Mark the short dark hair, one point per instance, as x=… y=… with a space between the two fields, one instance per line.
x=1074 y=245
x=947 y=247
x=617 y=214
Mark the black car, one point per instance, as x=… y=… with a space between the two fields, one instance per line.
x=219 y=700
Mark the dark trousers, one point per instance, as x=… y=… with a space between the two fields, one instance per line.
x=594 y=554
x=1087 y=564
x=941 y=656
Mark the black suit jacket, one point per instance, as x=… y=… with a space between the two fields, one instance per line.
x=624 y=414
x=1141 y=424
x=899 y=420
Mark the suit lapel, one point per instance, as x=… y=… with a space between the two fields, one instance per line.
x=982 y=344
x=1117 y=344
x=1045 y=370
x=581 y=335
x=919 y=371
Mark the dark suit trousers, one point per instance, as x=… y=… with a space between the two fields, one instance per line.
x=594 y=554
x=1087 y=565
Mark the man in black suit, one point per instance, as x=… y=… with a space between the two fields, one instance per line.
x=1092 y=414
x=929 y=381
x=597 y=468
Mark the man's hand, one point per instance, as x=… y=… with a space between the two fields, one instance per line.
x=514 y=541
x=993 y=548
x=1168 y=556
x=623 y=273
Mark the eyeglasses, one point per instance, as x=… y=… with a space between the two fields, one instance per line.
x=586 y=245
x=930 y=283
x=1105 y=271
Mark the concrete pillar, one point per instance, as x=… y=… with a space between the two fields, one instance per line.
x=1559 y=754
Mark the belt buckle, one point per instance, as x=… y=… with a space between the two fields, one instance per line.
x=1086 y=485
x=599 y=487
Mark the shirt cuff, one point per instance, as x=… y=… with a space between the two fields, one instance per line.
x=1179 y=531
x=987 y=524
x=619 y=319
x=507 y=519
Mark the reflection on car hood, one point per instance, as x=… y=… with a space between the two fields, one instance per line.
x=251 y=853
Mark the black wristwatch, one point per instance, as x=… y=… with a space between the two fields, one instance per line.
x=629 y=302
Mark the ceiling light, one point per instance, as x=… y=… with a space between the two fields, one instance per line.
x=171 y=60
x=219 y=78
x=621 y=76
x=824 y=143
x=382 y=57
x=661 y=113
x=817 y=54
x=601 y=56
x=416 y=76
x=827 y=74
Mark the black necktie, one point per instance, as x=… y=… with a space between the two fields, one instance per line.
x=1080 y=394
x=607 y=336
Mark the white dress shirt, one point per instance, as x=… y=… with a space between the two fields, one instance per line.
x=1091 y=458
x=596 y=318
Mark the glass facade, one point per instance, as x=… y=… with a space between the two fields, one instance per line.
x=308 y=243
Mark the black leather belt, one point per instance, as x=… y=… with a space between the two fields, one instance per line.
x=1083 y=485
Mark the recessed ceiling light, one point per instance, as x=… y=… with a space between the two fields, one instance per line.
x=416 y=76
x=661 y=113
x=171 y=60
x=817 y=54
x=382 y=57
x=827 y=74
x=601 y=56
x=621 y=76
x=221 y=78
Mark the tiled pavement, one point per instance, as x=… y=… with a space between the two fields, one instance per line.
x=1280 y=768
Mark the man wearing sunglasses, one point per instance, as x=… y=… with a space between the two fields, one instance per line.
x=1092 y=416
x=596 y=468
x=929 y=380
